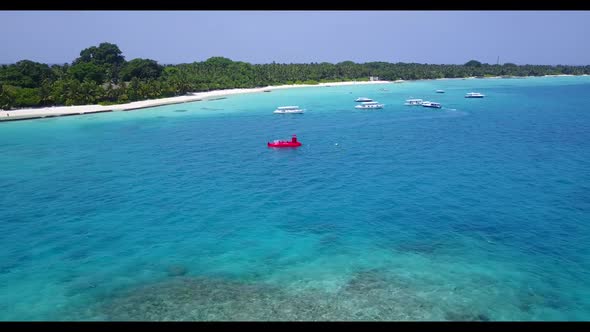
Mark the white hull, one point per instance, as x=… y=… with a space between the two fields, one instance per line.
x=288 y=112
x=363 y=99
x=474 y=95
x=431 y=104
x=369 y=107
x=414 y=102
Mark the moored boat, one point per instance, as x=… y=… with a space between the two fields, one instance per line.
x=288 y=110
x=474 y=95
x=431 y=104
x=363 y=99
x=413 y=102
x=369 y=105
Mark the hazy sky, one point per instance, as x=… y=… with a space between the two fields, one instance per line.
x=453 y=37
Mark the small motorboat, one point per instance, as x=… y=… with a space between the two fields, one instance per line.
x=431 y=104
x=363 y=99
x=474 y=95
x=369 y=105
x=440 y=91
x=293 y=143
x=288 y=110
x=414 y=102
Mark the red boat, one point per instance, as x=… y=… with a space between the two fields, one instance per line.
x=293 y=143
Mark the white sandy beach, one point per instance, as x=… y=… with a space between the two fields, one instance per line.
x=34 y=113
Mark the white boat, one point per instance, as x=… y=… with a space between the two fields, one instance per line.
x=369 y=104
x=431 y=104
x=474 y=95
x=288 y=110
x=440 y=91
x=363 y=99
x=414 y=102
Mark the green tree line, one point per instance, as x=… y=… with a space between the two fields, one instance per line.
x=102 y=75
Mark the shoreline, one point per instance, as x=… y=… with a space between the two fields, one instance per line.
x=57 y=111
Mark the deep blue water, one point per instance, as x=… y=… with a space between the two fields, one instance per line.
x=477 y=211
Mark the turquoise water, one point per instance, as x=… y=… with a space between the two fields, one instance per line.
x=477 y=211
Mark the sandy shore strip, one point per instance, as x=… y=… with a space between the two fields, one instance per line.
x=37 y=113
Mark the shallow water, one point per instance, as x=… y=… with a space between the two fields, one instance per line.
x=477 y=211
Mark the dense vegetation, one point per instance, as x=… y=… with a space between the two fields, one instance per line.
x=102 y=75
